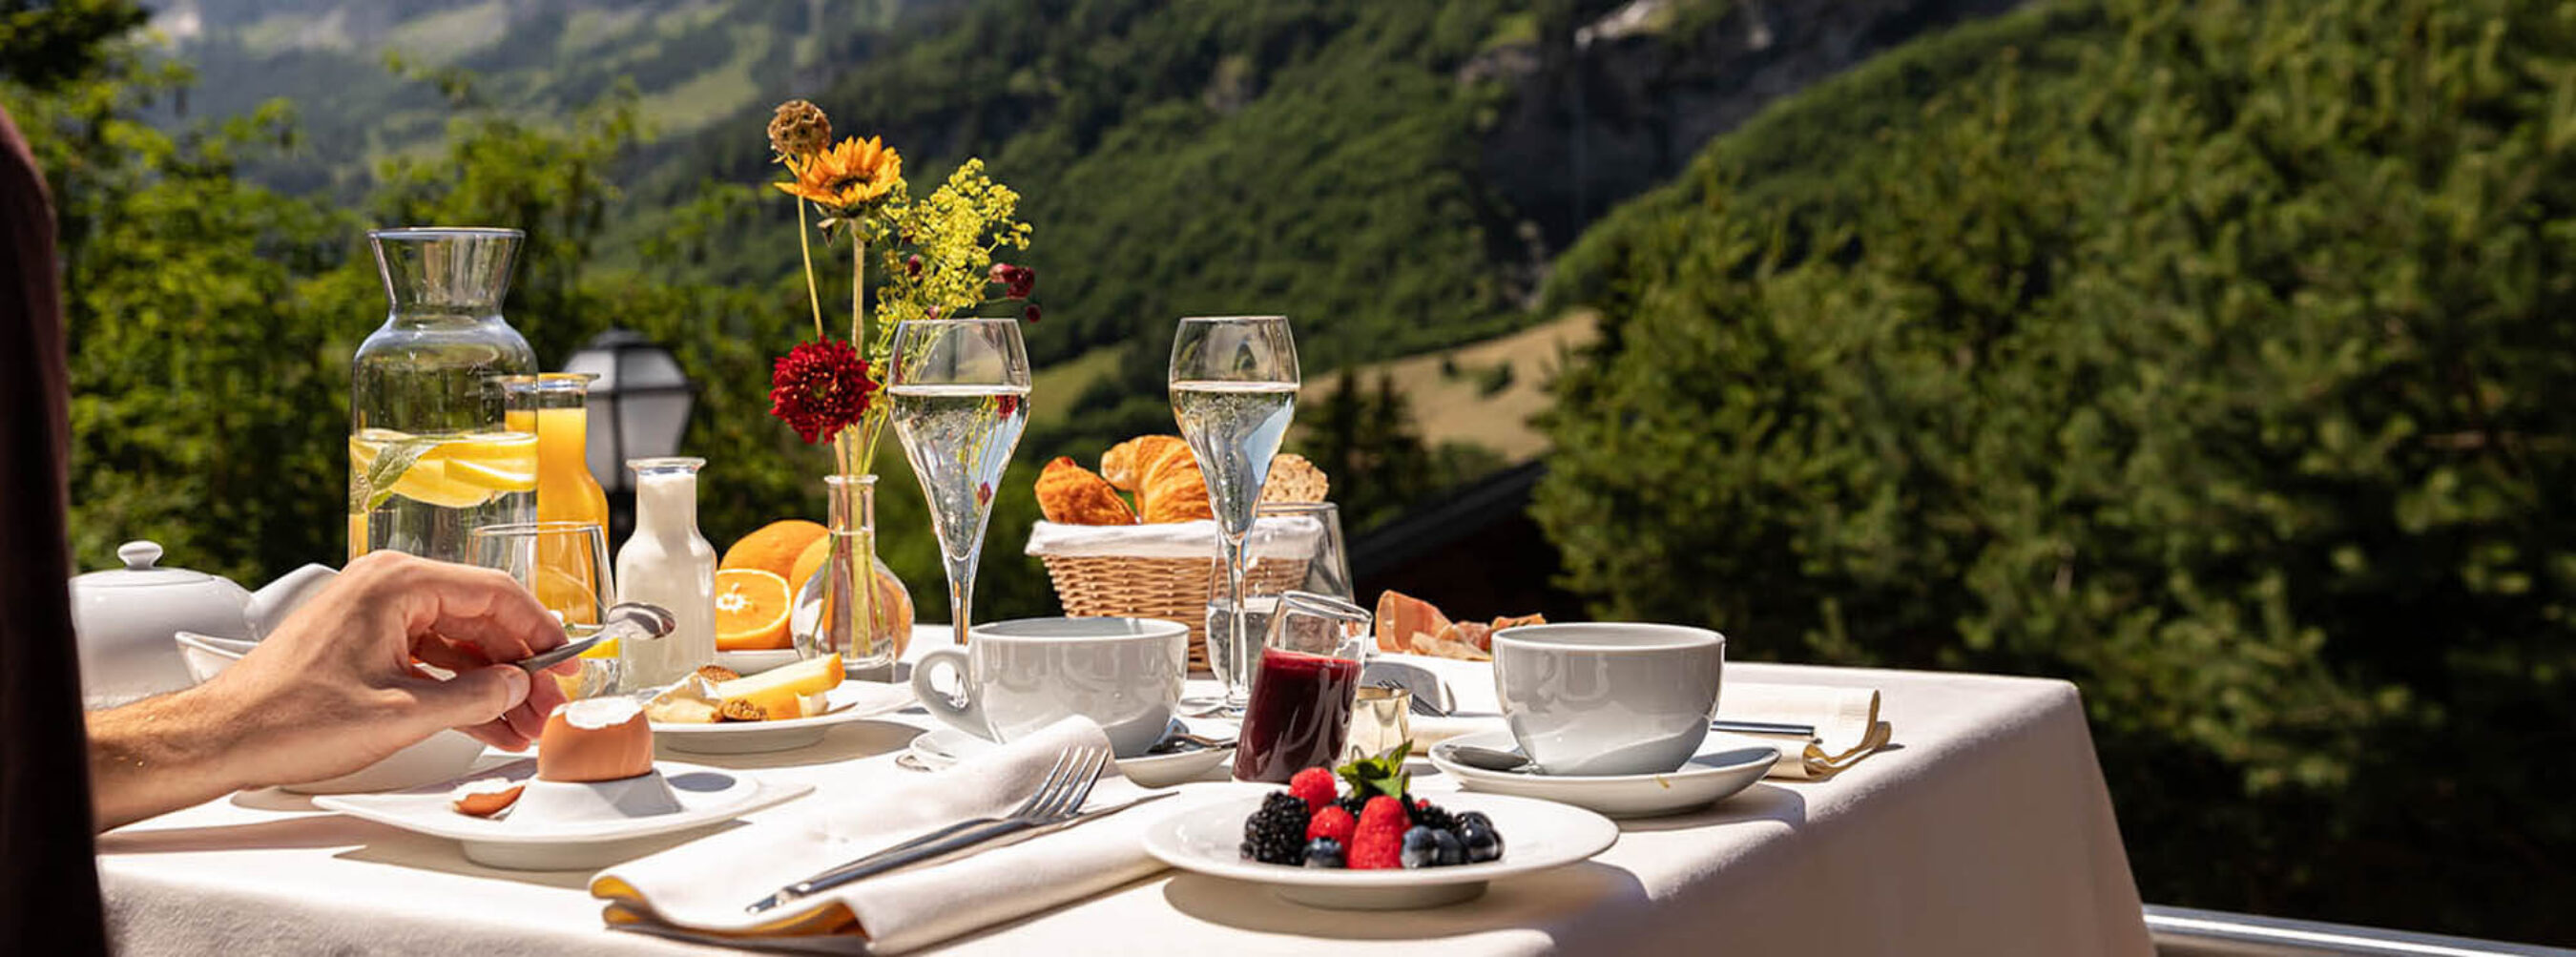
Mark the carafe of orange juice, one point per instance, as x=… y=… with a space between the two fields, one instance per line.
x=555 y=408
x=431 y=454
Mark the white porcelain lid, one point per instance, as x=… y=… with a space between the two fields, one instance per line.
x=140 y=569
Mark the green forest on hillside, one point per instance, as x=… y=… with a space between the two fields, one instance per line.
x=2209 y=355
x=2200 y=353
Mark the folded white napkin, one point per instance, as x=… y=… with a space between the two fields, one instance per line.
x=698 y=890
x=1845 y=719
x=1285 y=536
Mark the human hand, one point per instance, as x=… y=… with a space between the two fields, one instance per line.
x=333 y=688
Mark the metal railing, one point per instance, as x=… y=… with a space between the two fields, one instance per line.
x=2184 y=932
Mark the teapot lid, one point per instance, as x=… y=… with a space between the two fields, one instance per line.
x=139 y=557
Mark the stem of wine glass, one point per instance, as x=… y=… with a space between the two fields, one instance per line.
x=1239 y=641
x=961 y=591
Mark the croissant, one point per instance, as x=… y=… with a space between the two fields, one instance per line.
x=1071 y=494
x=1174 y=490
x=1124 y=465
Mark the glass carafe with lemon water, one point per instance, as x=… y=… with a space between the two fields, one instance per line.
x=555 y=408
x=432 y=455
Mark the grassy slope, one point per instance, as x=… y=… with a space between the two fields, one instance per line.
x=1791 y=155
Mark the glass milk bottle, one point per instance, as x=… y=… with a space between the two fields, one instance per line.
x=430 y=457
x=667 y=563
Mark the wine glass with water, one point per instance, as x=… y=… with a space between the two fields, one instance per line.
x=1234 y=390
x=960 y=389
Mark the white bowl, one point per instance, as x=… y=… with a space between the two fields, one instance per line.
x=435 y=758
x=207 y=655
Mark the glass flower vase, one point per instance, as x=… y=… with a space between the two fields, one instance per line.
x=868 y=628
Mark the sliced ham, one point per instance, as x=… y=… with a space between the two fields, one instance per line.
x=1401 y=616
x=1473 y=634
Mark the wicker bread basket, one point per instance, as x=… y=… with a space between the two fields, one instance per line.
x=1151 y=582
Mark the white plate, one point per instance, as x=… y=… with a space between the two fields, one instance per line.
x=707 y=796
x=1725 y=764
x=946 y=746
x=851 y=701
x=1537 y=835
x=755 y=662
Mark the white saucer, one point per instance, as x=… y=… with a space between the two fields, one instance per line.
x=1537 y=835
x=851 y=701
x=941 y=747
x=1726 y=763
x=707 y=797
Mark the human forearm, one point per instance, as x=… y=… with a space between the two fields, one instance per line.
x=157 y=755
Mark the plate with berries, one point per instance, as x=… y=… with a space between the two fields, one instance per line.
x=1355 y=838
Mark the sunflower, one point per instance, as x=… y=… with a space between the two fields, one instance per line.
x=851 y=174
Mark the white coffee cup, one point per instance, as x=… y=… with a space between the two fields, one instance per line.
x=1020 y=676
x=1608 y=697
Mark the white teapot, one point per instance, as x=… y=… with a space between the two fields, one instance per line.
x=124 y=619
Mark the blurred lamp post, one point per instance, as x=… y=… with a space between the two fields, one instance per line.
x=639 y=407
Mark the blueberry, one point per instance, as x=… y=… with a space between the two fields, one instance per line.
x=1477 y=818
x=1324 y=852
x=1480 y=841
x=1421 y=848
x=1446 y=850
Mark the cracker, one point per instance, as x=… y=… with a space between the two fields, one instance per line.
x=1293 y=479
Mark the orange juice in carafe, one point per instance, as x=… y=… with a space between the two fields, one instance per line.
x=554 y=406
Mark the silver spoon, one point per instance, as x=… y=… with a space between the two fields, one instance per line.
x=1489 y=759
x=631 y=620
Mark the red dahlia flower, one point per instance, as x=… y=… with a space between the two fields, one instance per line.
x=820 y=388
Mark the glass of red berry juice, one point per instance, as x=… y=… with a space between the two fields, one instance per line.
x=1302 y=687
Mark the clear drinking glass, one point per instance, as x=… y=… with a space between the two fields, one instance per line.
x=565 y=564
x=1292 y=545
x=960 y=389
x=1300 y=710
x=1234 y=390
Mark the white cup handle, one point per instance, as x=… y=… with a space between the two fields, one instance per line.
x=960 y=709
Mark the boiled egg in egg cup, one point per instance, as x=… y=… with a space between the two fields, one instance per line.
x=594 y=763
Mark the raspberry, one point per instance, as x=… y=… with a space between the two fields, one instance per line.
x=1314 y=785
x=1332 y=822
x=1378 y=842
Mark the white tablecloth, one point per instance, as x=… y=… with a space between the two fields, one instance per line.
x=1985 y=830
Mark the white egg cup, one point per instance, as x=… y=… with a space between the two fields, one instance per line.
x=584 y=802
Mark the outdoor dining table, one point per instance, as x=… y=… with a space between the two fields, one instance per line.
x=1984 y=829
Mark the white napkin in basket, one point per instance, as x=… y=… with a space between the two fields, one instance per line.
x=698 y=890
x=1288 y=536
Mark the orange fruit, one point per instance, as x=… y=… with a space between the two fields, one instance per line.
x=751 y=610
x=774 y=547
x=809 y=562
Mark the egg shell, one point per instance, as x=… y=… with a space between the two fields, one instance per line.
x=595 y=739
x=488 y=797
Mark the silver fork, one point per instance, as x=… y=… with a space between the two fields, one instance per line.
x=1415 y=702
x=1062 y=763
x=1058 y=798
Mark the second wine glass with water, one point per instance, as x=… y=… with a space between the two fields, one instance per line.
x=960 y=389
x=1234 y=390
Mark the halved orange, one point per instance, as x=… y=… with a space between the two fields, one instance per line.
x=808 y=563
x=774 y=547
x=751 y=610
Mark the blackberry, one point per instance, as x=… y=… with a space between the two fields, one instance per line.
x=1353 y=802
x=1427 y=814
x=1276 y=834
